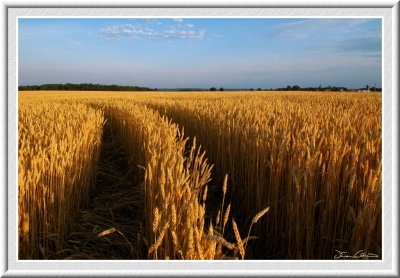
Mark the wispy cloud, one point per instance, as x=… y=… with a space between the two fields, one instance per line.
x=180 y=20
x=312 y=28
x=345 y=37
x=131 y=31
x=364 y=44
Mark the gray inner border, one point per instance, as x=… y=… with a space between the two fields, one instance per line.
x=387 y=267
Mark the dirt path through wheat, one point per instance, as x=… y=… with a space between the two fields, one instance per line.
x=111 y=227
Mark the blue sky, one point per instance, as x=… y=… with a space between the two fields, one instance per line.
x=201 y=52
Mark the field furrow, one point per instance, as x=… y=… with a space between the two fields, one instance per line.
x=175 y=181
x=111 y=227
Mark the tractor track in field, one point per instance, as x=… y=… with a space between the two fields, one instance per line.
x=111 y=226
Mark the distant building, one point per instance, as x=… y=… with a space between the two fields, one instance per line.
x=366 y=89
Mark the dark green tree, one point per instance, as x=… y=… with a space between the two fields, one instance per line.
x=82 y=87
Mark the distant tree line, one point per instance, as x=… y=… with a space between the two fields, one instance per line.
x=298 y=88
x=327 y=88
x=82 y=87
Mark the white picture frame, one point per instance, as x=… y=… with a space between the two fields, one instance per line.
x=10 y=266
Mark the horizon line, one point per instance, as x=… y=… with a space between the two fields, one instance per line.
x=208 y=88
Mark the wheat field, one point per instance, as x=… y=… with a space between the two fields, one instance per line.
x=222 y=175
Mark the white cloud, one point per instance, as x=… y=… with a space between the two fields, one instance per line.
x=180 y=20
x=116 y=32
x=189 y=25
